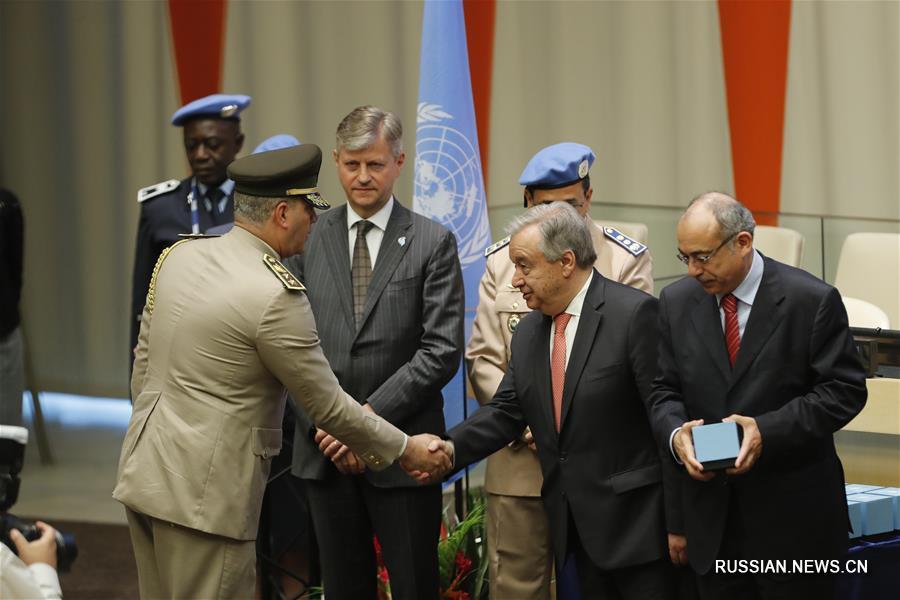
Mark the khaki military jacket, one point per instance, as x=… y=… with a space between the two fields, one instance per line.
x=515 y=471
x=225 y=329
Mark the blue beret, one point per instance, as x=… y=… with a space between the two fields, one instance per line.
x=558 y=165
x=277 y=142
x=217 y=106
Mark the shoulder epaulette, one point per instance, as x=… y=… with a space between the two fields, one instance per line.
x=151 y=292
x=496 y=246
x=198 y=236
x=286 y=277
x=633 y=246
x=157 y=189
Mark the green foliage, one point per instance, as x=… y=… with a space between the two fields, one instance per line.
x=462 y=559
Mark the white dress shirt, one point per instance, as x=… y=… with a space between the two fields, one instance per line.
x=574 y=309
x=745 y=294
x=375 y=234
x=227 y=187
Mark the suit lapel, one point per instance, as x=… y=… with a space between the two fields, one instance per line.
x=765 y=315
x=706 y=321
x=389 y=254
x=540 y=368
x=588 y=324
x=334 y=240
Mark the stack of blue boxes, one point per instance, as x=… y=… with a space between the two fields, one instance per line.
x=873 y=509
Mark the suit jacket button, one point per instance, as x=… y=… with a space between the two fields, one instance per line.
x=563 y=456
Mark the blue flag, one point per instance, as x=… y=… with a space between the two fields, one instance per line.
x=449 y=187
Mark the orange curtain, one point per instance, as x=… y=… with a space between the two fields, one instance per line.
x=198 y=34
x=480 y=15
x=755 y=53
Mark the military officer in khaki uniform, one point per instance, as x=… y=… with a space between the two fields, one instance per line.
x=225 y=328
x=518 y=537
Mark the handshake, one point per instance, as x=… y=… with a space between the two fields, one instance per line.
x=427 y=458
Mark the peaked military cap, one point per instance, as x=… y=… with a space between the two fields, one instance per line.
x=217 y=106
x=557 y=166
x=285 y=173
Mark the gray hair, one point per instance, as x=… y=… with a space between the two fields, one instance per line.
x=256 y=209
x=562 y=229
x=732 y=216
x=361 y=128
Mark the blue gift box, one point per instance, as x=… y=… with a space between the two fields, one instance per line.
x=894 y=495
x=855 y=511
x=859 y=488
x=716 y=446
x=877 y=513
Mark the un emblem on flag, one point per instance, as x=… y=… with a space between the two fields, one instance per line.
x=448 y=181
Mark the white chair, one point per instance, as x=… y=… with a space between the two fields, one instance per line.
x=865 y=314
x=779 y=243
x=869 y=269
x=636 y=231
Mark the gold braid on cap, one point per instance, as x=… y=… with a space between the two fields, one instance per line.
x=151 y=293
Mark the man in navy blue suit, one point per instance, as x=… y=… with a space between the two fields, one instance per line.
x=212 y=140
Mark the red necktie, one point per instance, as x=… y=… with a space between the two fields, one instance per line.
x=558 y=364
x=732 y=329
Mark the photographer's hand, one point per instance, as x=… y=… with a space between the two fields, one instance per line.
x=41 y=550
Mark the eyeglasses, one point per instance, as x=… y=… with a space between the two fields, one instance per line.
x=703 y=258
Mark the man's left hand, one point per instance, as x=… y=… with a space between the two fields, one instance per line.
x=678 y=549
x=751 y=447
x=330 y=446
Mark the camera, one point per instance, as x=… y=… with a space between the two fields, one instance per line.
x=12 y=456
x=66 y=548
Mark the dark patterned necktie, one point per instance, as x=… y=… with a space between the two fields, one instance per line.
x=732 y=329
x=361 y=271
x=214 y=196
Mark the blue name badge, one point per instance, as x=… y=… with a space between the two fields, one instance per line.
x=717 y=445
x=877 y=513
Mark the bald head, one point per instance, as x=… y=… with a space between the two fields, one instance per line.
x=715 y=234
x=730 y=216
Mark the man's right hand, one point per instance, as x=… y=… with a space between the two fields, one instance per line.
x=41 y=550
x=528 y=438
x=683 y=444
x=426 y=458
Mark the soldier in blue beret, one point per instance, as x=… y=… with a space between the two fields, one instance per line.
x=212 y=139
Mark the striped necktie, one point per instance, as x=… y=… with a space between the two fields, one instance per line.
x=732 y=329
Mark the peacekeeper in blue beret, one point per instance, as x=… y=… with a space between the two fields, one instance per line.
x=212 y=140
x=518 y=532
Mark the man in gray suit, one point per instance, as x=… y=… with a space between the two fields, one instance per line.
x=387 y=293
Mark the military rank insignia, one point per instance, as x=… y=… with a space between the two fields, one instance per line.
x=286 y=277
x=158 y=189
x=633 y=246
x=494 y=247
